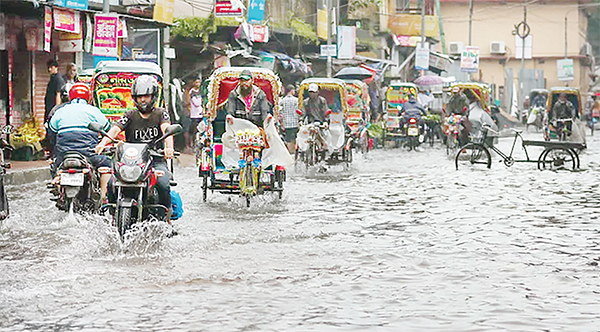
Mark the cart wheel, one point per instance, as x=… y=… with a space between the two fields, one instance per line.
x=473 y=154
x=557 y=158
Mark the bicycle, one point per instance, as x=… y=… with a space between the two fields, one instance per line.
x=556 y=155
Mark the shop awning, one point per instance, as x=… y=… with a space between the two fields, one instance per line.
x=289 y=63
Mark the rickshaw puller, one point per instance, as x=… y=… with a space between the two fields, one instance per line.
x=562 y=109
x=143 y=125
x=248 y=101
x=315 y=107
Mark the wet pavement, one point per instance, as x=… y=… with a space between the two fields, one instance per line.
x=400 y=241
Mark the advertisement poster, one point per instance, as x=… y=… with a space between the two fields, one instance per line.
x=346 y=42
x=66 y=20
x=122 y=29
x=112 y=93
x=260 y=33
x=256 y=11
x=565 y=70
x=70 y=42
x=47 y=28
x=75 y=4
x=322 y=23
x=144 y=45
x=224 y=8
x=422 y=57
x=105 y=35
x=163 y=11
x=469 y=59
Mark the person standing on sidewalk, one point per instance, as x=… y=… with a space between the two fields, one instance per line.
x=289 y=107
x=51 y=99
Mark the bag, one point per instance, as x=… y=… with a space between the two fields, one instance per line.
x=176 y=205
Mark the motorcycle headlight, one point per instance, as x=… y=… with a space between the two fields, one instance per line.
x=130 y=173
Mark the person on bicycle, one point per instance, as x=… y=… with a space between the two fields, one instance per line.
x=562 y=109
x=479 y=117
x=248 y=101
x=315 y=106
x=142 y=125
x=69 y=125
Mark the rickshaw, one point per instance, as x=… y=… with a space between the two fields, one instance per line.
x=538 y=99
x=328 y=141
x=111 y=85
x=234 y=156
x=86 y=76
x=396 y=95
x=358 y=117
x=571 y=130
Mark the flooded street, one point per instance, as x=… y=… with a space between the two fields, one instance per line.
x=400 y=241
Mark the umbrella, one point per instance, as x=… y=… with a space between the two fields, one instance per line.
x=356 y=73
x=429 y=80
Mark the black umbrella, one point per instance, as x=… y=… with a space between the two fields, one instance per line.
x=356 y=73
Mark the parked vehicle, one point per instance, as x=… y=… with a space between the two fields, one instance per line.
x=358 y=117
x=576 y=132
x=135 y=180
x=235 y=156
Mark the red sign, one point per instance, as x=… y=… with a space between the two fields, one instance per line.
x=224 y=8
x=47 y=27
x=260 y=33
x=105 y=35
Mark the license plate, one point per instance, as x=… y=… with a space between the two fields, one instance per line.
x=74 y=179
x=413 y=131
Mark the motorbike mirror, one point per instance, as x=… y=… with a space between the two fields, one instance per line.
x=171 y=130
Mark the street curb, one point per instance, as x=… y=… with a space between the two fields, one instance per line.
x=27 y=176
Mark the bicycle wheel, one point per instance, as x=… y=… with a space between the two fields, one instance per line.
x=557 y=158
x=4 y=212
x=473 y=154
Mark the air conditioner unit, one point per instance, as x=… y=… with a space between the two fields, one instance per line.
x=455 y=48
x=497 y=47
x=586 y=49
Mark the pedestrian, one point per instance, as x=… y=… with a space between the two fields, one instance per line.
x=289 y=107
x=195 y=106
x=53 y=88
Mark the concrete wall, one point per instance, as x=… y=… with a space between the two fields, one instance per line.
x=197 y=8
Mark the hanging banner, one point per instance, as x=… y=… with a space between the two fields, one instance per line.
x=66 y=20
x=223 y=8
x=565 y=70
x=145 y=46
x=346 y=42
x=47 y=28
x=260 y=33
x=2 y=31
x=122 y=29
x=105 y=35
x=256 y=11
x=75 y=4
x=322 y=23
x=70 y=42
x=163 y=11
x=469 y=59
x=422 y=57
x=89 y=38
x=410 y=25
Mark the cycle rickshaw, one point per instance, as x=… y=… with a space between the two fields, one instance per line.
x=396 y=95
x=358 y=117
x=327 y=142
x=233 y=155
x=571 y=130
x=537 y=109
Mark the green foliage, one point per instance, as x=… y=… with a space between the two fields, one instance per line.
x=356 y=6
x=194 y=27
x=303 y=30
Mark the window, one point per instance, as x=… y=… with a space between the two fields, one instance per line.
x=402 y=6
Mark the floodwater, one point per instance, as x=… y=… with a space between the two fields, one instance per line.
x=400 y=241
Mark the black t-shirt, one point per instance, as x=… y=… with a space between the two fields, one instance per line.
x=56 y=83
x=140 y=130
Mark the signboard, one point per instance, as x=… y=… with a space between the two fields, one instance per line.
x=105 y=35
x=70 y=42
x=410 y=25
x=75 y=4
x=565 y=69
x=346 y=42
x=112 y=93
x=260 y=33
x=469 y=59
x=329 y=50
x=163 y=11
x=267 y=61
x=67 y=20
x=407 y=41
x=322 y=23
x=47 y=28
x=256 y=11
x=422 y=57
x=145 y=46
x=224 y=8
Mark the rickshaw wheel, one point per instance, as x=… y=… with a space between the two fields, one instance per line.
x=204 y=187
x=557 y=158
x=248 y=201
x=473 y=154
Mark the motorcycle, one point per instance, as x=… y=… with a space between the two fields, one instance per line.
x=135 y=180
x=413 y=133
x=77 y=183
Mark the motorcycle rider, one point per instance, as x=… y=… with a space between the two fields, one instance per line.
x=248 y=101
x=142 y=125
x=69 y=124
x=412 y=109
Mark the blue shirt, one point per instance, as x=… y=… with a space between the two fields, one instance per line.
x=75 y=116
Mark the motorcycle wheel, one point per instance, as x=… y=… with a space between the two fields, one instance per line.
x=123 y=220
x=3 y=200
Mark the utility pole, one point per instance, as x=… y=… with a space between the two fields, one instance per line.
x=422 y=29
x=470 y=19
x=329 y=11
x=106 y=6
